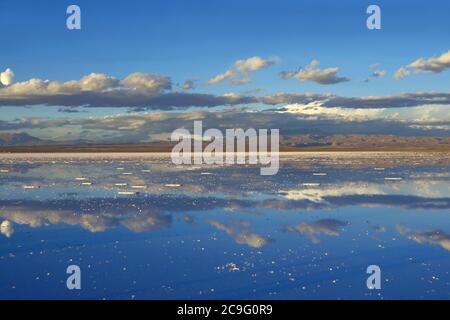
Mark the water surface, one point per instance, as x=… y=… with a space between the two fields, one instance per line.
x=140 y=227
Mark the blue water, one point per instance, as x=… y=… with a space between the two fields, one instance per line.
x=209 y=232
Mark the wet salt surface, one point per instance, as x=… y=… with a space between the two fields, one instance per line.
x=140 y=227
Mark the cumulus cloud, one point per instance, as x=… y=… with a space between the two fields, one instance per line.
x=315 y=110
x=147 y=82
x=240 y=73
x=425 y=65
x=376 y=73
x=401 y=73
x=426 y=127
x=188 y=85
x=283 y=98
x=94 y=82
x=221 y=77
x=89 y=89
x=148 y=91
x=69 y=110
x=424 y=108
x=6 y=77
x=403 y=100
x=252 y=64
x=434 y=64
x=99 y=90
x=312 y=73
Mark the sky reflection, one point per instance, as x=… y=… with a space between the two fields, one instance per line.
x=162 y=231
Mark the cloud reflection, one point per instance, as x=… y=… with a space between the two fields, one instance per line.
x=6 y=228
x=240 y=233
x=39 y=214
x=312 y=230
x=435 y=236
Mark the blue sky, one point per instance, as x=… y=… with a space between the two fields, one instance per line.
x=199 y=39
x=196 y=39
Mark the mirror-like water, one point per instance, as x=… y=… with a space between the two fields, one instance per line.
x=140 y=227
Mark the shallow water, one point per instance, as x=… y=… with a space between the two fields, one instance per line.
x=140 y=227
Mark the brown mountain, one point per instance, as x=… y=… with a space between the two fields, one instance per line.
x=23 y=142
x=20 y=139
x=355 y=141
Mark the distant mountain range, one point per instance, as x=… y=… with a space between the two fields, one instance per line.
x=20 y=139
x=23 y=139
x=364 y=141
x=23 y=142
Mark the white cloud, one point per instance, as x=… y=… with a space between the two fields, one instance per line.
x=434 y=64
x=315 y=110
x=240 y=73
x=376 y=74
x=221 y=77
x=94 y=82
x=425 y=65
x=430 y=127
x=401 y=73
x=188 y=85
x=147 y=82
x=312 y=73
x=252 y=64
x=6 y=77
x=151 y=91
